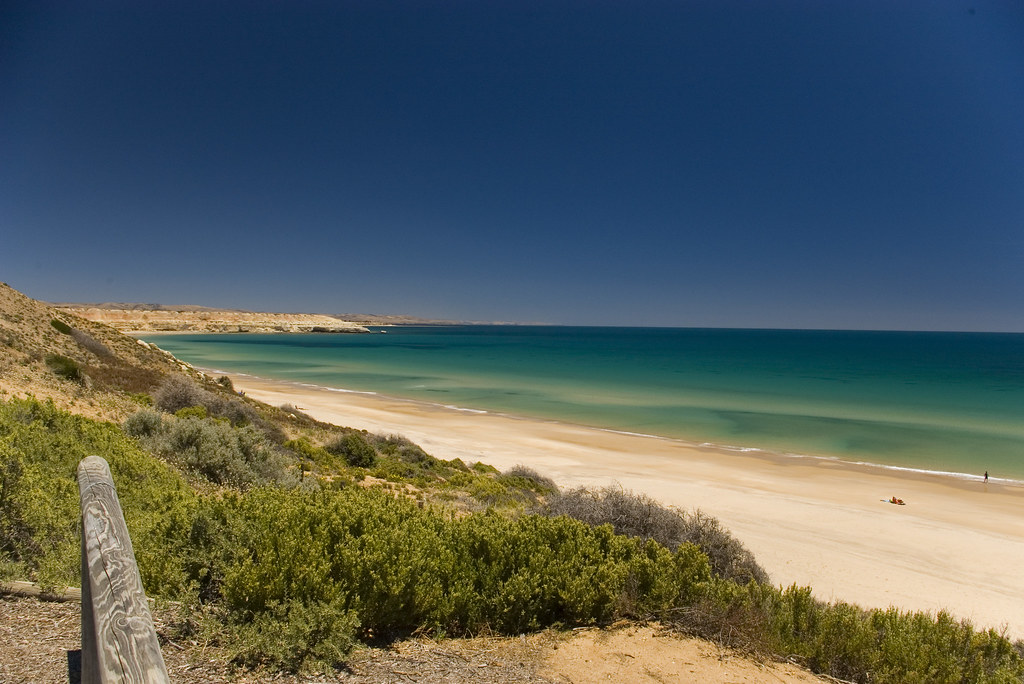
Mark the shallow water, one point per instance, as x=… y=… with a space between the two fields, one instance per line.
x=951 y=402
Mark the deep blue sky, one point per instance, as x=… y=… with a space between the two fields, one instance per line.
x=718 y=163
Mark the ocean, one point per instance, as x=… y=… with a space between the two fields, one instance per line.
x=941 y=402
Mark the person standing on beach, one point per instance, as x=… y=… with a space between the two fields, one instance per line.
x=986 y=477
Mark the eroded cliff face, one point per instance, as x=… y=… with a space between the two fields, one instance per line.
x=128 y=320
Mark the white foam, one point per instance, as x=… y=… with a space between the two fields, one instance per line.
x=463 y=409
x=349 y=391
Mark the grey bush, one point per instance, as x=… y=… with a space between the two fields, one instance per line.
x=239 y=457
x=86 y=341
x=232 y=456
x=533 y=479
x=637 y=515
x=144 y=423
x=178 y=392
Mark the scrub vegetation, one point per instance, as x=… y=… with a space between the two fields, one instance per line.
x=289 y=556
x=287 y=542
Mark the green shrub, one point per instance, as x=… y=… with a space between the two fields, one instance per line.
x=403 y=449
x=636 y=515
x=528 y=482
x=61 y=326
x=141 y=398
x=354 y=448
x=497 y=491
x=303 y=447
x=402 y=568
x=191 y=412
x=65 y=367
x=39 y=507
x=843 y=641
x=296 y=636
x=225 y=382
x=294 y=576
x=16 y=534
x=211 y=448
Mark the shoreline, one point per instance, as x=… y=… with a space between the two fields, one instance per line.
x=757 y=452
x=957 y=545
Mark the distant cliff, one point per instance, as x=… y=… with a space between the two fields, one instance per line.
x=196 y=319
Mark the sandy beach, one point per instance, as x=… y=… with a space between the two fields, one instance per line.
x=956 y=545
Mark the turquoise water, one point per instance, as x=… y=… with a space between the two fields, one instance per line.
x=951 y=402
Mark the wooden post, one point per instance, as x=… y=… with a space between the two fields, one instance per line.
x=119 y=642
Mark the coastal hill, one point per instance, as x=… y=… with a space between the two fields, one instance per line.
x=157 y=318
x=43 y=347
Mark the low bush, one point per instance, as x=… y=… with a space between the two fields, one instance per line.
x=144 y=423
x=179 y=392
x=402 y=568
x=848 y=643
x=636 y=515
x=87 y=342
x=60 y=326
x=402 y=448
x=240 y=457
x=212 y=448
x=501 y=491
x=355 y=449
x=528 y=478
x=141 y=398
x=192 y=412
x=117 y=374
x=39 y=508
x=295 y=635
x=303 y=447
x=293 y=577
x=65 y=367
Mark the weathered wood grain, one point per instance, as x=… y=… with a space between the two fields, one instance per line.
x=119 y=642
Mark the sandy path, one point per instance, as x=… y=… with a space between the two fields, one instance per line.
x=957 y=544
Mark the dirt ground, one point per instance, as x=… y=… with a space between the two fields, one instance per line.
x=40 y=640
